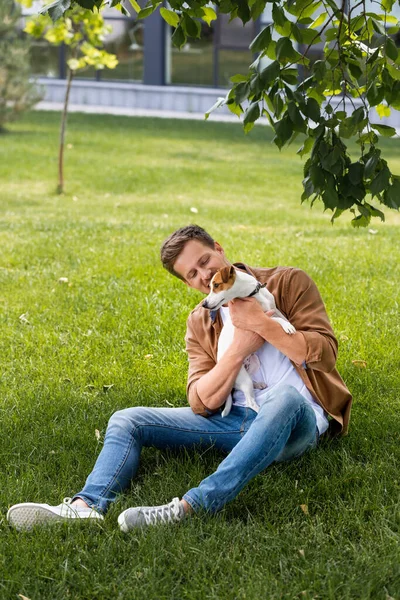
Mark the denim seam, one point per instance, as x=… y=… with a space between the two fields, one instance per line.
x=192 y=502
x=118 y=470
x=207 y=431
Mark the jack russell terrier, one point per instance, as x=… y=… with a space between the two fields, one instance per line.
x=229 y=283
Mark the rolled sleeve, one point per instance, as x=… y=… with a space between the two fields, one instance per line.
x=306 y=311
x=200 y=363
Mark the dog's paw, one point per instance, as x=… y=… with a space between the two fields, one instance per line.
x=259 y=385
x=289 y=328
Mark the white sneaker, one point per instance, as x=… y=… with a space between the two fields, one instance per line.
x=141 y=516
x=28 y=514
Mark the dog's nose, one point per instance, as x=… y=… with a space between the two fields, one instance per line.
x=204 y=304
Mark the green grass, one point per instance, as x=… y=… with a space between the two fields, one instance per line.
x=130 y=182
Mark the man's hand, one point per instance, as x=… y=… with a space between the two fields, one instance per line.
x=245 y=342
x=246 y=313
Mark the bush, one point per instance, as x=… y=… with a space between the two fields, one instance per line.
x=17 y=92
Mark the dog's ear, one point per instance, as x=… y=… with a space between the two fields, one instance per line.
x=227 y=273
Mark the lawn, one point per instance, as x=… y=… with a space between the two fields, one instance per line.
x=326 y=526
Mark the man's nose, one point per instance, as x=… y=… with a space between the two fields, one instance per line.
x=205 y=273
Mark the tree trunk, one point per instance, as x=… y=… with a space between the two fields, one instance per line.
x=60 y=187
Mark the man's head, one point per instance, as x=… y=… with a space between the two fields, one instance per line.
x=191 y=254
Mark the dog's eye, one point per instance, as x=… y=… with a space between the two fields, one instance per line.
x=215 y=286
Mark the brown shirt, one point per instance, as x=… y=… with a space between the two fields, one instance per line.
x=298 y=298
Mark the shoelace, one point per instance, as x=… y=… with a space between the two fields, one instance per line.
x=164 y=513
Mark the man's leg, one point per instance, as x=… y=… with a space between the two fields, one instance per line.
x=128 y=431
x=284 y=428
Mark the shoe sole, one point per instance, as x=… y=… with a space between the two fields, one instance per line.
x=26 y=516
x=122 y=523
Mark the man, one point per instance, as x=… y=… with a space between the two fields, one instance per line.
x=305 y=395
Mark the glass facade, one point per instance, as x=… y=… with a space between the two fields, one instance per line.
x=222 y=51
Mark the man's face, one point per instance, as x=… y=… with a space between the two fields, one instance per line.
x=198 y=263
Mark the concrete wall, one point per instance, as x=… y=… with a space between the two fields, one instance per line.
x=134 y=95
x=161 y=98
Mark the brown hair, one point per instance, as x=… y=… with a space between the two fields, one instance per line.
x=175 y=243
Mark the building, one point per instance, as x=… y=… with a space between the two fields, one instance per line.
x=152 y=74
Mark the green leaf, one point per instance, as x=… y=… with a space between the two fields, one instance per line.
x=391 y=49
x=312 y=110
x=380 y=182
x=383 y=110
x=285 y=51
x=317 y=177
x=278 y=16
x=330 y=197
x=371 y=164
x=56 y=9
x=284 y=131
x=296 y=118
x=191 y=26
x=368 y=138
x=306 y=147
x=358 y=115
x=236 y=109
x=178 y=38
x=243 y=11
x=319 y=20
x=262 y=41
x=148 y=10
x=356 y=173
x=375 y=94
x=209 y=14
x=375 y=212
x=384 y=130
x=135 y=6
x=252 y=113
x=257 y=9
x=303 y=8
x=241 y=92
x=391 y=197
x=270 y=73
x=170 y=17
x=238 y=78
x=394 y=71
x=361 y=221
x=220 y=102
x=387 y=5
x=291 y=76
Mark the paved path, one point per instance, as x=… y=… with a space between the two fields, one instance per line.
x=140 y=112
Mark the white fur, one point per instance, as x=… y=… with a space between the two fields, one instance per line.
x=243 y=286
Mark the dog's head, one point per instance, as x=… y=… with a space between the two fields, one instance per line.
x=221 y=286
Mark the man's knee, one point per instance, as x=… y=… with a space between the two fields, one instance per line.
x=126 y=419
x=286 y=397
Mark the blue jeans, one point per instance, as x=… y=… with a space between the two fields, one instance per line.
x=284 y=428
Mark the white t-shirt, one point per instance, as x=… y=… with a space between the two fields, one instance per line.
x=276 y=369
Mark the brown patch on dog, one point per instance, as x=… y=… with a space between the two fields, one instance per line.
x=223 y=279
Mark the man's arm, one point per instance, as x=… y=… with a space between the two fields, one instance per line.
x=214 y=387
x=210 y=383
x=314 y=344
x=248 y=315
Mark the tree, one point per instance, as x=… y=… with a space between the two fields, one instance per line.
x=360 y=70
x=83 y=32
x=17 y=92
